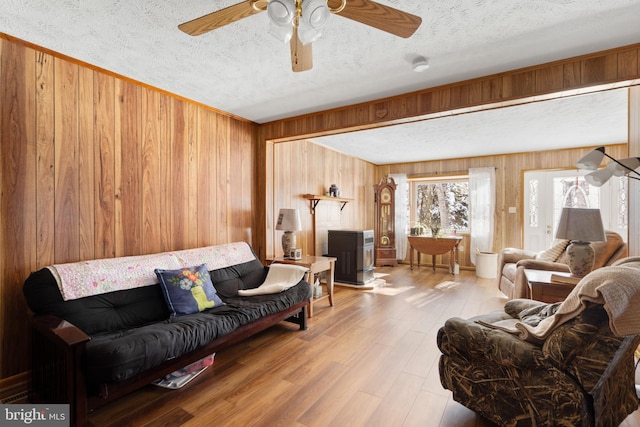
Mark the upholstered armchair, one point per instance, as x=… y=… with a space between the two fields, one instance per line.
x=568 y=369
x=512 y=262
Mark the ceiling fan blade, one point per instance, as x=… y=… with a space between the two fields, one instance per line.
x=385 y=18
x=301 y=55
x=219 y=18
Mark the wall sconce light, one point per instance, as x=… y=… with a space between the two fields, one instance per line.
x=591 y=161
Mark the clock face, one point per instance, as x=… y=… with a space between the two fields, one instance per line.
x=385 y=196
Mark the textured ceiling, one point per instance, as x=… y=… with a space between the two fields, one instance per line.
x=242 y=70
x=594 y=119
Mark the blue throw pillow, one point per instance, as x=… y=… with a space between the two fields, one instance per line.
x=188 y=290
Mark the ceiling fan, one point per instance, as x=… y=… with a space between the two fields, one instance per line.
x=300 y=21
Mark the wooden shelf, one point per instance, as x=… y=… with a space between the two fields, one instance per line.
x=315 y=199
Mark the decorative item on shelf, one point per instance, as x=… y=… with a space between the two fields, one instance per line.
x=581 y=226
x=289 y=222
x=591 y=161
x=334 y=191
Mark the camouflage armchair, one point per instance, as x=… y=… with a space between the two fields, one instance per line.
x=580 y=375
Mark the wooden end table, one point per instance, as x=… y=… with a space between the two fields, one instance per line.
x=545 y=290
x=434 y=246
x=316 y=265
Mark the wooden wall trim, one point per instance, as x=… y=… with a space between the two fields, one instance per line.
x=596 y=71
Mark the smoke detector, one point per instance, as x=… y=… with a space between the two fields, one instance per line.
x=420 y=64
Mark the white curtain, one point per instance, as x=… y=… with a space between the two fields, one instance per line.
x=482 y=205
x=401 y=213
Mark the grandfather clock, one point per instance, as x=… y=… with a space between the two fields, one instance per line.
x=385 y=237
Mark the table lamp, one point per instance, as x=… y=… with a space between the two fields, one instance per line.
x=581 y=226
x=289 y=222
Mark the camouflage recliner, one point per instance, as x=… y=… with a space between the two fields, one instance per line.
x=582 y=374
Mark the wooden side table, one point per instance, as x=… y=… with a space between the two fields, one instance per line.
x=545 y=290
x=434 y=246
x=316 y=265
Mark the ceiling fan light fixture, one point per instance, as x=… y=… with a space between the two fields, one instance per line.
x=307 y=34
x=315 y=13
x=281 y=32
x=281 y=12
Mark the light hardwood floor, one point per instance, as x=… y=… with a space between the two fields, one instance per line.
x=371 y=360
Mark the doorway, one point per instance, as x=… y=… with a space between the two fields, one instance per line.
x=547 y=192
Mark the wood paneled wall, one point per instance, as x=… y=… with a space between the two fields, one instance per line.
x=596 y=71
x=301 y=167
x=510 y=169
x=634 y=185
x=96 y=166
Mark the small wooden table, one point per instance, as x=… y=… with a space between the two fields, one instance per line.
x=315 y=264
x=544 y=289
x=435 y=246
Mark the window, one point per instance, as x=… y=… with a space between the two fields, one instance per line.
x=442 y=203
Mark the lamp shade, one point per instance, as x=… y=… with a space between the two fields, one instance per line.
x=281 y=12
x=281 y=32
x=307 y=34
x=315 y=13
x=597 y=178
x=592 y=160
x=584 y=225
x=624 y=166
x=289 y=220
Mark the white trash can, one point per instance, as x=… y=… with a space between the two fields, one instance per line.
x=487 y=265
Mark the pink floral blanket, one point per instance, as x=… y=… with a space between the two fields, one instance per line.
x=94 y=277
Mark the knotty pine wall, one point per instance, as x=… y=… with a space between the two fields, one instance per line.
x=96 y=166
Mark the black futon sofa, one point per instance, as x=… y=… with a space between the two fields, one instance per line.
x=91 y=350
